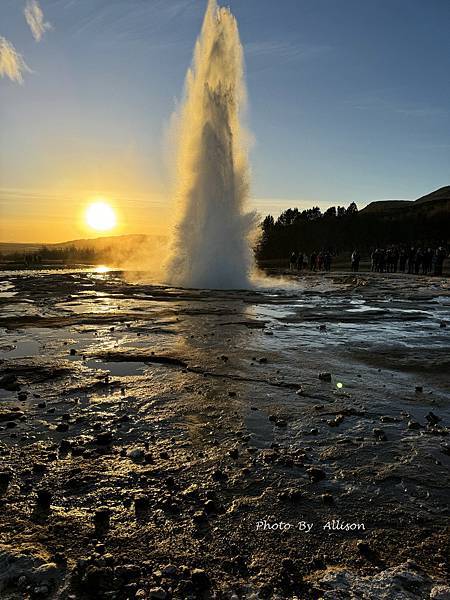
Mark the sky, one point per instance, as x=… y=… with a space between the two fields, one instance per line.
x=348 y=102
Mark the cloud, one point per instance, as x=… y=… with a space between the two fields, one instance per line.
x=12 y=64
x=35 y=19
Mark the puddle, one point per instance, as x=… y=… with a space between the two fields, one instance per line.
x=118 y=368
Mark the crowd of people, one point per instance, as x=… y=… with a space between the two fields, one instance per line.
x=414 y=260
x=428 y=261
x=317 y=261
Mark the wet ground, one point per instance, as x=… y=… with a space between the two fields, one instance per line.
x=289 y=441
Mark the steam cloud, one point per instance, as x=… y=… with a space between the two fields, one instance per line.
x=35 y=19
x=211 y=246
x=12 y=64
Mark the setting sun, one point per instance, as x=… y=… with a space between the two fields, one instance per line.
x=100 y=216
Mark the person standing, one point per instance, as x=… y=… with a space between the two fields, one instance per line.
x=292 y=261
x=355 y=261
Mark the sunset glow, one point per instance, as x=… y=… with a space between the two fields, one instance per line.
x=101 y=216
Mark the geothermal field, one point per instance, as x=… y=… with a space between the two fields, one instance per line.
x=285 y=441
x=215 y=431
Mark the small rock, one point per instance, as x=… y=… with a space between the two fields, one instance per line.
x=44 y=498
x=170 y=571
x=234 y=453
x=432 y=418
x=419 y=389
x=281 y=423
x=325 y=376
x=315 y=474
x=102 y=518
x=72 y=352
x=199 y=517
x=414 y=425
x=158 y=593
x=200 y=579
x=104 y=438
x=379 y=435
x=39 y=468
x=135 y=453
x=219 y=475
x=327 y=498
x=141 y=503
x=5 y=479
x=210 y=507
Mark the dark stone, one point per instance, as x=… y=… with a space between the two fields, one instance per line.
x=414 y=425
x=10 y=415
x=5 y=480
x=97 y=579
x=39 y=468
x=104 y=438
x=199 y=517
x=325 y=376
x=62 y=427
x=44 y=498
x=128 y=573
x=327 y=499
x=210 y=507
x=379 y=435
x=72 y=352
x=200 y=579
x=141 y=503
x=102 y=517
x=432 y=418
x=290 y=495
x=315 y=474
x=234 y=453
x=219 y=475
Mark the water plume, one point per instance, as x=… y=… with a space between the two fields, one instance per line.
x=210 y=247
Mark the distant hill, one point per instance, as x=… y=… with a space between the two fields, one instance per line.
x=98 y=244
x=439 y=199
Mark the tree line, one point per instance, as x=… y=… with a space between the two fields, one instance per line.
x=341 y=229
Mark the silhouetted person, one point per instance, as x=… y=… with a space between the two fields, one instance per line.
x=312 y=261
x=292 y=261
x=439 y=257
x=403 y=258
x=355 y=261
x=411 y=260
x=300 y=261
x=418 y=261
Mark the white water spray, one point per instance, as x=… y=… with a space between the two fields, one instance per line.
x=211 y=246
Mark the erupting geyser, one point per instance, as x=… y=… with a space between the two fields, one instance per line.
x=211 y=246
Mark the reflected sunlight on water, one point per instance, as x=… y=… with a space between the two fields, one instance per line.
x=102 y=269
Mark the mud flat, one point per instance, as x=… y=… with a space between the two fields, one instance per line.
x=290 y=441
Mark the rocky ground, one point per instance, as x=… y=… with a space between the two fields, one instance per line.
x=286 y=442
